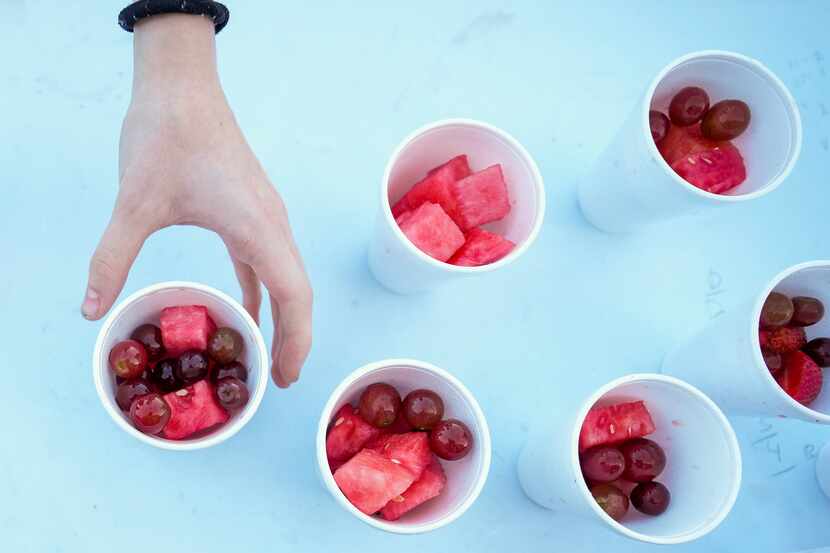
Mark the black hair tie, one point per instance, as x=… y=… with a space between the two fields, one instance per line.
x=137 y=11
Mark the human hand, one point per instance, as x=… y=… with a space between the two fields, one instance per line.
x=184 y=161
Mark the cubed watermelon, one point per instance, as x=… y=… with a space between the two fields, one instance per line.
x=403 y=217
x=185 y=327
x=369 y=480
x=480 y=198
x=401 y=207
x=347 y=435
x=458 y=166
x=410 y=450
x=433 y=232
x=480 y=248
x=615 y=423
x=435 y=189
x=429 y=485
x=193 y=409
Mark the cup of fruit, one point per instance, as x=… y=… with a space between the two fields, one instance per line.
x=767 y=356
x=713 y=128
x=403 y=446
x=180 y=365
x=646 y=455
x=458 y=198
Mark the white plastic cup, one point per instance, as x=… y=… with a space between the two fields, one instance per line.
x=144 y=306
x=823 y=469
x=395 y=261
x=724 y=359
x=631 y=185
x=465 y=477
x=703 y=467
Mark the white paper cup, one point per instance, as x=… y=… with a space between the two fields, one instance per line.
x=631 y=185
x=465 y=477
x=703 y=466
x=145 y=306
x=725 y=360
x=395 y=261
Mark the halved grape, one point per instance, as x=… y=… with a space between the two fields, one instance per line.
x=379 y=404
x=128 y=359
x=423 y=409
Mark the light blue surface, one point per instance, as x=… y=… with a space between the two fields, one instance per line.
x=324 y=93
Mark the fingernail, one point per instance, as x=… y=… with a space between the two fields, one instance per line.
x=91 y=304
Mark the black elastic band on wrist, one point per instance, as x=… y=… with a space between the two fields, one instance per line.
x=137 y=11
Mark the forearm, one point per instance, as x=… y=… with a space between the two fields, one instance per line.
x=174 y=58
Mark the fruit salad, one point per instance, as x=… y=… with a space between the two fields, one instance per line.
x=442 y=214
x=794 y=361
x=385 y=452
x=695 y=139
x=619 y=464
x=183 y=378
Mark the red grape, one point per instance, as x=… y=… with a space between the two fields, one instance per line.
x=644 y=460
x=650 y=498
x=150 y=413
x=688 y=106
x=193 y=366
x=423 y=409
x=450 y=439
x=726 y=120
x=234 y=369
x=150 y=337
x=225 y=345
x=379 y=404
x=612 y=500
x=231 y=393
x=128 y=359
x=128 y=390
x=659 y=124
x=602 y=463
x=806 y=311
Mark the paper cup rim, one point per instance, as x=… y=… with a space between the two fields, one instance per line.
x=100 y=364
x=328 y=477
x=760 y=365
x=762 y=70
x=729 y=434
x=538 y=182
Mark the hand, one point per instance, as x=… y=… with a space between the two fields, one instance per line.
x=184 y=161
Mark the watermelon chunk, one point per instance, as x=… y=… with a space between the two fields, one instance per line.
x=193 y=409
x=458 y=167
x=401 y=207
x=347 y=435
x=369 y=480
x=410 y=450
x=435 y=189
x=403 y=217
x=480 y=198
x=718 y=170
x=482 y=247
x=684 y=141
x=429 y=485
x=433 y=232
x=614 y=424
x=185 y=327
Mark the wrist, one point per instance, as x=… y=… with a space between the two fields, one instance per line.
x=174 y=58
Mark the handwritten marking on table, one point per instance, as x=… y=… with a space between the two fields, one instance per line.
x=769 y=441
x=714 y=288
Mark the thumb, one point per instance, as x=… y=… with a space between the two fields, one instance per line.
x=110 y=265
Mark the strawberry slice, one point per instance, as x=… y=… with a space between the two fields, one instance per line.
x=614 y=424
x=410 y=450
x=801 y=378
x=786 y=339
x=347 y=435
x=429 y=485
x=718 y=170
x=369 y=480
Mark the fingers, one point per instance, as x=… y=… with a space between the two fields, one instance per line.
x=251 y=292
x=111 y=262
x=291 y=307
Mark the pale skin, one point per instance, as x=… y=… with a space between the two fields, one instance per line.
x=183 y=160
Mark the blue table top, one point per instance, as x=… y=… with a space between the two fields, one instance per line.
x=324 y=93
